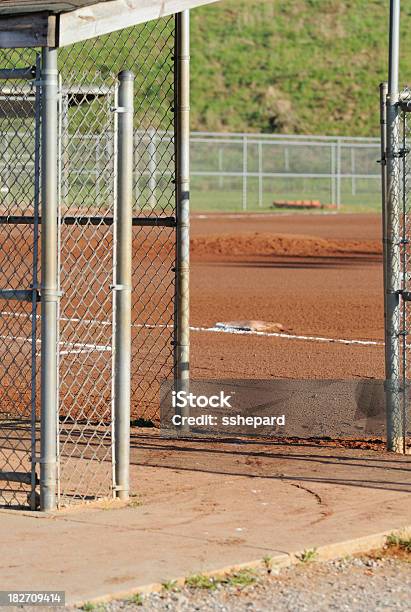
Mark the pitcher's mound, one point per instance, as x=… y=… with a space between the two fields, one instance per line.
x=258 y=326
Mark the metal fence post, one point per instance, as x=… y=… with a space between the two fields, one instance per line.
x=220 y=167
x=395 y=425
x=245 y=171
x=383 y=162
x=152 y=166
x=122 y=286
x=332 y=176
x=353 y=173
x=260 y=174
x=49 y=282
x=182 y=145
x=338 y=174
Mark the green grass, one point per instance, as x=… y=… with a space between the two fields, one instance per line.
x=403 y=542
x=136 y=599
x=199 y=581
x=307 y=66
x=307 y=556
x=240 y=579
x=232 y=201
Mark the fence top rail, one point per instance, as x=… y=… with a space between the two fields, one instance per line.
x=308 y=137
x=301 y=143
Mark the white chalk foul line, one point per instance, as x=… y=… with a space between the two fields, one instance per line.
x=78 y=347
x=222 y=328
x=217 y=328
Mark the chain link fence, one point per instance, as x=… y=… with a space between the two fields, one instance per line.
x=88 y=250
x=87 y=254
x=232 y=172
x=397 y=262
x=252 y=171
x=19 y=321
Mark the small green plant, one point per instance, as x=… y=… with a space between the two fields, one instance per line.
x=89 y=606
x=199 y=581
x=307 y=556
x=242 y=578
x=268 y=563
x=135 y=501
x=136 y=599
x=403 y=542
x=169 y=585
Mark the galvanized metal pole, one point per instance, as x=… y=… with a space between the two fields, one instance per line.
x=338 y=174
x=353 y=181
x=182 y=149
x=34 y=305
x=245 y=171
x=49 y=281
x=152 y=166
x=333 y=189
x=220 y=167
x=395 y=425
x=383 y=162
x=122 y=286
x=260 y=174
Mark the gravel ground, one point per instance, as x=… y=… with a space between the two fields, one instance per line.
x=354 y=584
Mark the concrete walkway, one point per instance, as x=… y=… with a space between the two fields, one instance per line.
x=206 y=506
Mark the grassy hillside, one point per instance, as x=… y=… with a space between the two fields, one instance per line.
x=292 y=66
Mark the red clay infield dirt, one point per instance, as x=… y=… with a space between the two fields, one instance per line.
x=319 y=275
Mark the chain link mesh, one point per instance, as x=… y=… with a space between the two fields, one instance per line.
x=19 y=320
x=87 y=247
x=405 y=266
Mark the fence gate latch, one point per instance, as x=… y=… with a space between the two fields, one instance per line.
x=406 y=295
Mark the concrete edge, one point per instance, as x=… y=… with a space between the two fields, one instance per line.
x=326 y=552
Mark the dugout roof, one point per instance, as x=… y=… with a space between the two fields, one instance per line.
x=27 y=23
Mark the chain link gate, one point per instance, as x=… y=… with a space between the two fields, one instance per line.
x=395 y=106
x=81 y=444
x=396 y=187
x=87 y=246
x=19 y=321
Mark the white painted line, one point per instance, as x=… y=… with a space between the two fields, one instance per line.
x=86 y=351
x=222 y=328
x=75 y=345
x=217 y=328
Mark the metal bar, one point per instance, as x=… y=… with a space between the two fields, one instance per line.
x=95 y=220
x=283 y=175
x=182 y=156
x=260 y=174
x=27 y=74
x=245 y=172
x=395 y=441
x=20 y=295
x=332 y=175
x=123 y=280
x=338 y=186
x=383 y=162
x=49 y=286
x=20 y=477
x=239 y=135
x=152 y=167
x=220 y=167
x=35 y=294
x=353 y=174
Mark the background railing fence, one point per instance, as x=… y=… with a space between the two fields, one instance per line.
x=231 y=171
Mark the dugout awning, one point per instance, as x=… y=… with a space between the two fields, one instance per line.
x=56 y=23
